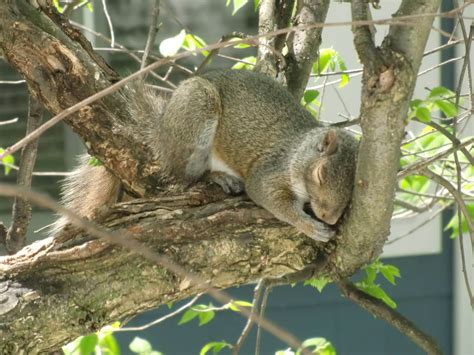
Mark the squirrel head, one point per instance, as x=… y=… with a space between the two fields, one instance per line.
x=329 y=177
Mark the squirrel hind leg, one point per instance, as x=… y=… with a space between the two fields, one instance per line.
x=199 y=160
x=232 y=185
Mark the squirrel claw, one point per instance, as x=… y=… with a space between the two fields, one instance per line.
x=231 y=185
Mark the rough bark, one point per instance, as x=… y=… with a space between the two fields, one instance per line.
x=89 y=284
x=62 y=69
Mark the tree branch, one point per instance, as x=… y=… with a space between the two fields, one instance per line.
x=303 y=46
x=21 y=214
x=380 y=310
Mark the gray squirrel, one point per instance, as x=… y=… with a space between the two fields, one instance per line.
x=252 y=135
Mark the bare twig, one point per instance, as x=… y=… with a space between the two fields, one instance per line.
x=12 y=82
x=411 y=231
x=152 y=32
x=7 y=122
x=38 y=173
x=123 y=240
x=412 y=168
x=69 y=8
x=159 y=320
x=263 y=308
x=109 y=22
x=248 y=326
x=21 y=212
x=380 y=310
x=456 y=194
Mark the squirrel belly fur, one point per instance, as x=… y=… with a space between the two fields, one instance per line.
x=251 y=135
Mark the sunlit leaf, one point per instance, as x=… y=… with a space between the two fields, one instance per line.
x=318 y=283
x=172 y=45
x=8 y=160
x=215 y=347
x=247 y=63
x=423 y=114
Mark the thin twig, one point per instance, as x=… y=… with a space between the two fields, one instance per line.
x=21 y=211
x=456 y=194
x=159 y=320
x=412 y=168
x=380 y=310
x=69 y=8
x=152 y=32
x=109 y=22
x=38 y=173
x=263 y=308
x=12 y=82
x=7 y=122
x=248 y=326
x=123 y=240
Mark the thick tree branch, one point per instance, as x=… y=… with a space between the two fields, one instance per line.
x=272 y=15
x=303 y=46
x=254 y=245
x=384 y=106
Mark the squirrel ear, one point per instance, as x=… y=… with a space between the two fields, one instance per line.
x=319 y=176
x=329 y=144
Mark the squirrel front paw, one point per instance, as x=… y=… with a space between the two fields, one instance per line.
x=231 y=185
x=317 y=230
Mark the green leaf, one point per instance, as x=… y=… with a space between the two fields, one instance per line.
x=377 y=292
x=172 y=45
x=7 y=159
x=390 y=272
x=57 y=6
x=247 y=63
x=325 y=57
x=371 y=274
x=238 y=4
x=108 y=344
x=448 y=108
x=440 y=92
x=188 y=316
x=318 y=283
x=310 y=95
x=206 y=317
x=423 y=114
x=215 y=346
x=192 y=42
x=83 y=345
x=93 y=161
x=233 y=305
x=453 y=223
x=256 y=4
x=342 y=67
x=319 y=346
x=140 y=346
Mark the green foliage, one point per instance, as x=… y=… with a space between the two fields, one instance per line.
x=60 y=8
x=233 y=306
x=142 y=347
x=204 y=313
x=318 y=283
x=238 y=4
x=453 y=223
x=368 y=285
x=439 y=98
x=187 y=41
x=246 y=63
x=319 y=346
x=215 y=347
x=330 y=59
x=102 y=342
x=93 y=161
x=7 y=160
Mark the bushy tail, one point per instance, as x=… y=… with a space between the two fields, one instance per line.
x=86 y=190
